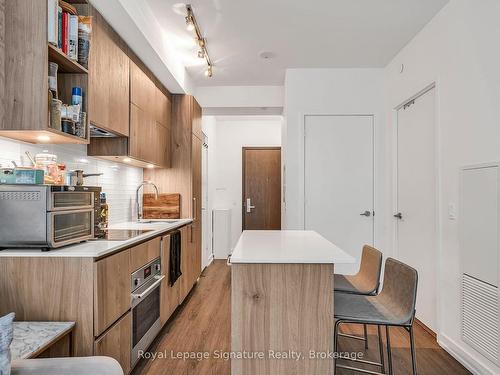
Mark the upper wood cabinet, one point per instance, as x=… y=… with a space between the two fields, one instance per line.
x=142 y=90
x=109 y=86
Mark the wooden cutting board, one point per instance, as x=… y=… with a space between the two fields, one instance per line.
x=167 y=206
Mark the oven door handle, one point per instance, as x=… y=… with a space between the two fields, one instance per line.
x=150 y=289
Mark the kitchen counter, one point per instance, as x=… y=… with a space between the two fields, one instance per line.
x=32 y=338
x=287 y=246
x=100 y=247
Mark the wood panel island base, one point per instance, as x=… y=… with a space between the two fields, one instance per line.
x=282 y=303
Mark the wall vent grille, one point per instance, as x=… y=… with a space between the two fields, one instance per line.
x=480 y=316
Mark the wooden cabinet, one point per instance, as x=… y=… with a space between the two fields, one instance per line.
x=184 y=177
x=169 y=294
x=149 y=140
x=142 y=135
x=24 y=74
x=142 y=90
x=186 y=279
x=108 y=79
x=144 y=253
x=111 y=289
x=116 y=342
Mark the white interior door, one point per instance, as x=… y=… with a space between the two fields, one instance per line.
x=338 y=181
x=416 y=199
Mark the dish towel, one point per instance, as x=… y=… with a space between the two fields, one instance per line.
x=175 y=257
x=6 y=333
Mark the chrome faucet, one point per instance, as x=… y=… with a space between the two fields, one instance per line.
x=139 y=210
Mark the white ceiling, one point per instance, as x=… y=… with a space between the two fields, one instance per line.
x=302 y=34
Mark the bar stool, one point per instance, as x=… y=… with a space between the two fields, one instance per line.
x=394 y=306
x=365 y=282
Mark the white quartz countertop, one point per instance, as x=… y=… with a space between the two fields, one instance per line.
x=31 y=337
x=101 y=247
x=287 y=246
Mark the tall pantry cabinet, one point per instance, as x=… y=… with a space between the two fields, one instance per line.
x=184 y=177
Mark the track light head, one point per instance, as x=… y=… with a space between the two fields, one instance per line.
x=189 y=23
x=201 y=54
x=208 y=72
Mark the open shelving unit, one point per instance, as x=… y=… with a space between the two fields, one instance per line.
x=26 y=93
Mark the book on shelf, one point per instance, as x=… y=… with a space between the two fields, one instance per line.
x=59 y=27
x=73 y=37
x=65 y=31
x=52 y=22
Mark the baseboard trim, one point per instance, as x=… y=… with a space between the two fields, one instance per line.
x=425 y=328
x=466 y=356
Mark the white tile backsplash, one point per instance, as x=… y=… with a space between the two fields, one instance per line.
x=118 y=181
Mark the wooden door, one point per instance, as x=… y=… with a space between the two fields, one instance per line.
x=261 y=188
x=185 y=280
x=116 y=342
x=196 y=149
x=416 y=200
x=108 y=88
x=111 y=290
x=169 y=295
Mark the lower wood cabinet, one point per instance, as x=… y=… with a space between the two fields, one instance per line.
x=117 y=343
x=111 y=289
x=169 y=294
x=186 y=263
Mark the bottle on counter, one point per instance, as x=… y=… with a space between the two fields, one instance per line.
x=104 y=212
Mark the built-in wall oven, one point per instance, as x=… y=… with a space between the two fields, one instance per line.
x=46 y=216
x=145 y=286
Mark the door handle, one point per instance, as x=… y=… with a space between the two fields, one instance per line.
x=398 y=216
x=366 y=213
x=249 y=205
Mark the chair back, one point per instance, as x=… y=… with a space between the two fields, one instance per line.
x=370 y=269
x=399 y=291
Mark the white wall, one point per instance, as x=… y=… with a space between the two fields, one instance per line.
x=334 y=92
x=209 y=129
x=459 y=51
x=118 y=181
x=233 y=133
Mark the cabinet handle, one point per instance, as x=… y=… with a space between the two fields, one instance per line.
x=192 y=234
x=194 y=209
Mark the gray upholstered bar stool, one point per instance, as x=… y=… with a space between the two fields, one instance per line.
x=365 y=282
x=394 y=306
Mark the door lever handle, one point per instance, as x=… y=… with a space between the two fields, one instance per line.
x=249 y=205
x=398 y=215
x=366 y=213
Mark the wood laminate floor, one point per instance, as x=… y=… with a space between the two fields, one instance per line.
x=203 y=324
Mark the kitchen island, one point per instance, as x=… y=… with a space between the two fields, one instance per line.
x=282 y=303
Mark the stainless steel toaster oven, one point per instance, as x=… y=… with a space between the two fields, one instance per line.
x=46 y=216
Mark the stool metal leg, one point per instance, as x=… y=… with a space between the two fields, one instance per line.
x=366 y=336
x=389 y=352
x=412 y=348
x=381 y=349
x=336 y=344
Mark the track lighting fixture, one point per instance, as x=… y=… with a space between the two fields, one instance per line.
x=192 y=25
x=189 y=23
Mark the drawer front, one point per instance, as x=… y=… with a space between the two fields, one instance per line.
x=144 y=253
x=111 y=290
x=116 y=343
